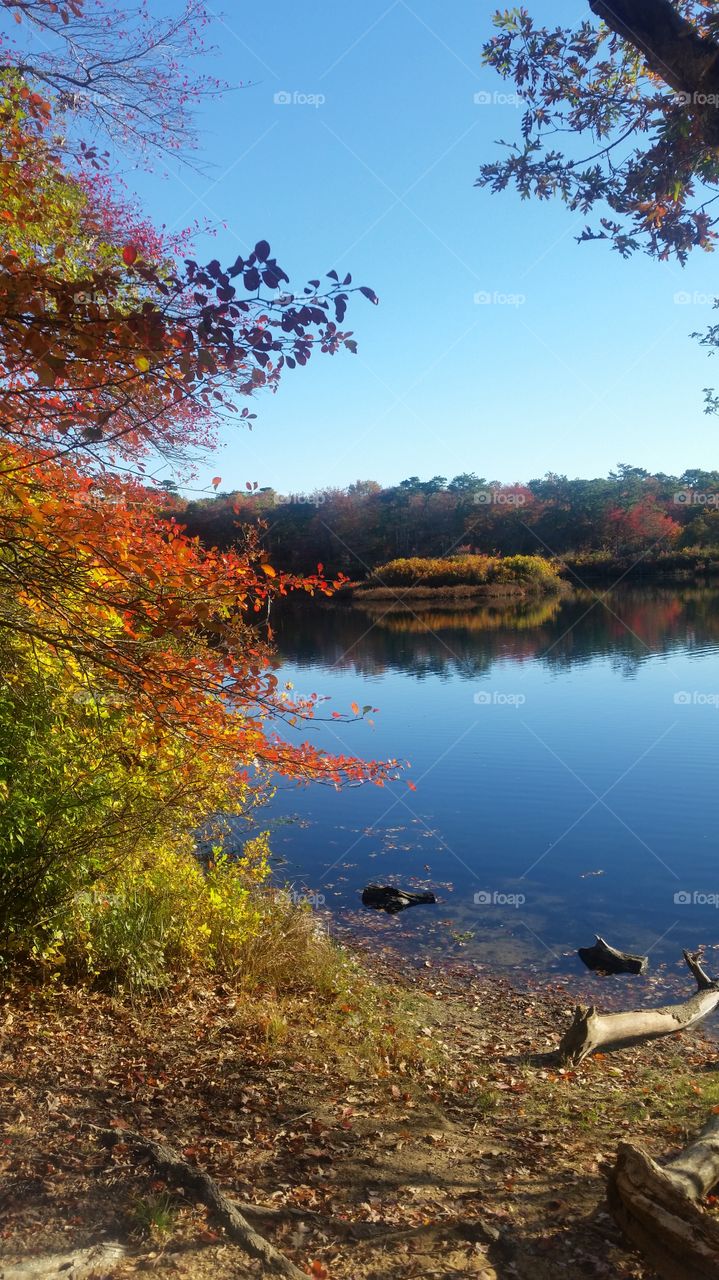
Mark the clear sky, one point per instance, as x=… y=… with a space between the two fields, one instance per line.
x=369 y=168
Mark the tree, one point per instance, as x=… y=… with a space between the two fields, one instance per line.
x=640 y=527
x=148 y=686
x=108 y=349
x=138 y=90
x=648 y=75
x=702 y=531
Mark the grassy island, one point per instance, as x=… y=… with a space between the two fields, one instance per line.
x=463 y=576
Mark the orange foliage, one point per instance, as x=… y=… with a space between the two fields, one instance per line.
x=109 y=353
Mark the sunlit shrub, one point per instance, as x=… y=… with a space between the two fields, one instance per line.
x=89 y=788
x=161 y=913
x=470 y=570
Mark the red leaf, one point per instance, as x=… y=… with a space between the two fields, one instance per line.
x=216 y=480
x=129 y=255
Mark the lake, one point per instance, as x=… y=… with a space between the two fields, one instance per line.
x=565 y=754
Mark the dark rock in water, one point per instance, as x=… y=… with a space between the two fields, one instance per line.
x=607 y=959
x=385 y=897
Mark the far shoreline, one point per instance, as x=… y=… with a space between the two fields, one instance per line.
x=357 y=592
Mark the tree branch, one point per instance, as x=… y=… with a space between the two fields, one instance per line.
x=673 y=48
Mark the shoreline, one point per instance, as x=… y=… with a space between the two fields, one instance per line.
x=367 y=1168
x=702 y=573
x=463 y=593
x=574 y=577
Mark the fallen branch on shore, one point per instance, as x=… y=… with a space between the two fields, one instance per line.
x=85 y=1264
x=607 y=959
x=204 y=1188
x=591 y=1031
x=656 y=1206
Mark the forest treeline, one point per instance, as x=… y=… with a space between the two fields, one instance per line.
x=630 y=513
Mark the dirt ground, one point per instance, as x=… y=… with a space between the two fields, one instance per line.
x=486 y=1160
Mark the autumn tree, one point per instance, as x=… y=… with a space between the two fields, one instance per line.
x=136 y=91
x=640 y=527
x=136 y=684
x=621 y=120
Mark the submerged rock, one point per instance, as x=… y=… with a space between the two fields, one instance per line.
x=385 y=897
x=606 y=959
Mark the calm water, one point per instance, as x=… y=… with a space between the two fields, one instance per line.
x=565 y=757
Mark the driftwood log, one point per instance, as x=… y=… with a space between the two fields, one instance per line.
x=95 y=1263
x=591 y=1031
x=607 y=959
x=237 y=1228
x=657 y=1207
x=385 y=897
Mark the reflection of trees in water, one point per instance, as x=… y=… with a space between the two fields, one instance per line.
x=630 y=624
x=626 y=625
x=486 y=617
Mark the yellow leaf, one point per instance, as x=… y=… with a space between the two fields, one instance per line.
x=271 y=573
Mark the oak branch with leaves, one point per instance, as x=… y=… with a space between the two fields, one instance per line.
x=621 y=120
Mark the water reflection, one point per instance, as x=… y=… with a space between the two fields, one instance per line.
x=563 y=749
x=627 y=624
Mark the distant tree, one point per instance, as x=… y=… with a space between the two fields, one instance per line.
x=466 y=483
x=640 y=527
x=363 y=488
x=702 y=531
x=412 y=485
x=700 y=481
x=435 y=485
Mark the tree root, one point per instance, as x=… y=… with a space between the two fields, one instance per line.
x=238 y=1229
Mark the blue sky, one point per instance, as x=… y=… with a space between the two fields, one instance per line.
x=591 y=363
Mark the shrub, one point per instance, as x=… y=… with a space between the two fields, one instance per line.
x=161 y=913
x=89 y=788
x=469 y=570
